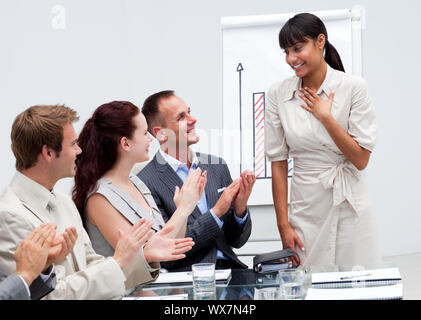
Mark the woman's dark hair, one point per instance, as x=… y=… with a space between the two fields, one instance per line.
x=99 y=140
x=308 y=25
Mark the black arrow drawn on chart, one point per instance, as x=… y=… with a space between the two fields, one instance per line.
x=239 y=70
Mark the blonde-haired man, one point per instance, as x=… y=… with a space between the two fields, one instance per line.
x=44 y=144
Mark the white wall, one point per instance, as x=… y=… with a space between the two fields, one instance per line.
x=112 y=50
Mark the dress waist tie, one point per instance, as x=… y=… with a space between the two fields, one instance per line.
x=338 y=178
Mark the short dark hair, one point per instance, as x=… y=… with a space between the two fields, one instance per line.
x=151 y=111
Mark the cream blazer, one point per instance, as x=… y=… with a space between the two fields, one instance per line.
x=83 y=274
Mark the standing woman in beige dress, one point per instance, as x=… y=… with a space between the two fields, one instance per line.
x=323 y=118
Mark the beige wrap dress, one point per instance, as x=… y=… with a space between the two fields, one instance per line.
x=330 y=206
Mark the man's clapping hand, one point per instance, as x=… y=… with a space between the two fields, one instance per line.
x=32 y=253
x=62 y=245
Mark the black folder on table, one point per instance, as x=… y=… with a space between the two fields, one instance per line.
x=274 y=261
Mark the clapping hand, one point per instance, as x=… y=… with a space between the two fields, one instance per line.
x=225 y=200
x=62 y=245
x=129 y=243
x=32 y=253
x=247 y=181
x=161 y=247
x=192 y=190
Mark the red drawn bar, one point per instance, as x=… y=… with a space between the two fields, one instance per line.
x=261 y=97
x=258 y=114
x=258 y=162
x=261 y=128
x=260 y=173
x=260 y=122
x=258 y=108
x=259 y=136
x=261 y=144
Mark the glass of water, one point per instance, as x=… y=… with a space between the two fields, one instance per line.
x=266 y=293
x=291 y=283
x=204 y=280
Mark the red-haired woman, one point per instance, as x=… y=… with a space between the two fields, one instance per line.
x=109 y=198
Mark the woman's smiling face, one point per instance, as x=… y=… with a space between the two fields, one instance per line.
x=305 y=57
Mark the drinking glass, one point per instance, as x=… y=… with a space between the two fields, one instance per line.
x=203 y=280
x=291 y=284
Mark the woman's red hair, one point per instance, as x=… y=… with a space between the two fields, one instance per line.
x=99 y=141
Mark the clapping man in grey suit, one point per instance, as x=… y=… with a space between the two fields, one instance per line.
x=31 y=256
x=221 y=219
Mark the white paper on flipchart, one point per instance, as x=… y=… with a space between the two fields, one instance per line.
x=253 y=42
x=377 y=274
x=366 y=293
x=185 y=277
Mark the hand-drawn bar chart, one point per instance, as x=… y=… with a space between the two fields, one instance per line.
x=260 y=161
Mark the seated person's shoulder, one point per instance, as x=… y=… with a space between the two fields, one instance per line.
x=148 y=171
x=98 y=207
x=63 y=197
x=14 y=217
x=8 y=200
x=11 y=208
x=65 y=201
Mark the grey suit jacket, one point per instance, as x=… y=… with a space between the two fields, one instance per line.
x=208 y=237
x=12 y=288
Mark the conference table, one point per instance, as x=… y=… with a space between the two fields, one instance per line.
x=240 y=286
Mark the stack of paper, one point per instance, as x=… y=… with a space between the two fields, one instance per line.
x=182 y=296
x=352 y=279
x=186 y=277
x=378 y=284
x=392 y=292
